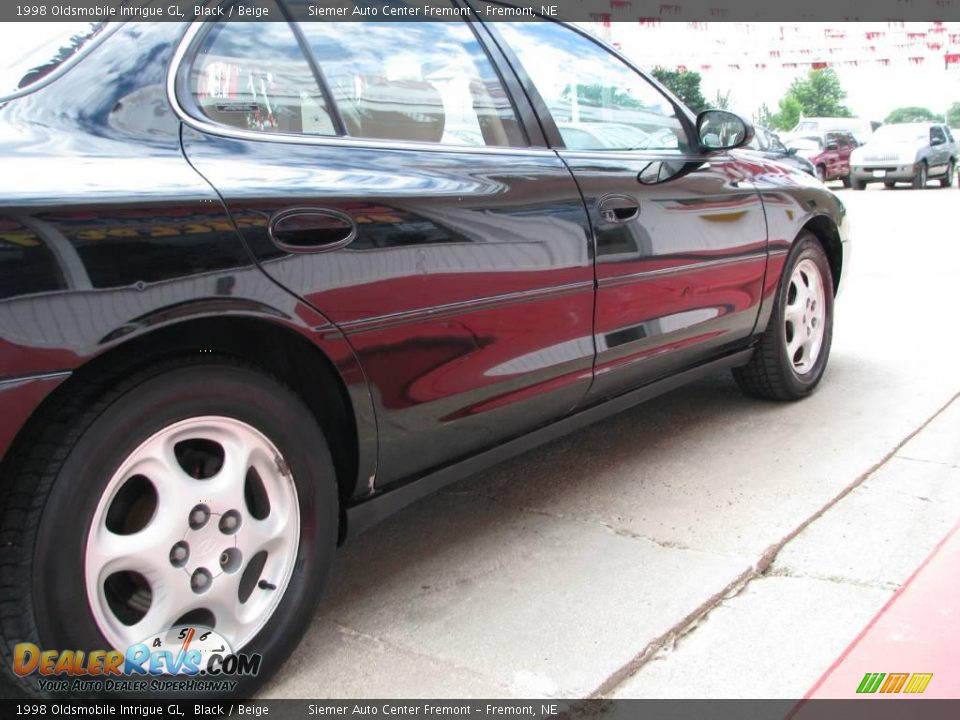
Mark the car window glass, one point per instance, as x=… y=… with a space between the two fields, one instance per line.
x=587 y=88
x=413 y=81
x=253 y=76
x=775 y=144
x=937 y=134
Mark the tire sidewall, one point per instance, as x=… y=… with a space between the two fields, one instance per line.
x=64 y=619
x=805 y=247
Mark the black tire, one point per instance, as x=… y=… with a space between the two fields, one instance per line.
x=770 y=373
x=920 y=179
x=857 y=184
x=845 y=180
x=822 y=173
x=889 y=185
x=947 y=180
x=52 y=490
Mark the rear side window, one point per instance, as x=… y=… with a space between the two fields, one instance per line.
x=406 y=81
x=253 y=76
x=937 y=134
x=413 y=81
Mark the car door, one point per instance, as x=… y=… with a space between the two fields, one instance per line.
x=680 y=237
x=382 y=172
x=939 y=151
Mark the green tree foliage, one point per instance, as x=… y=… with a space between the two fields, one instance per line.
x=953 y=115
x=911 y=114
x=789 y=114
x=820 y=94
x=685 y=84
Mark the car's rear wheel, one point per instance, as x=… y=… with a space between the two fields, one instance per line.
x=188 y=494
x=920 y=178
x=947 y=180
x=792 y=354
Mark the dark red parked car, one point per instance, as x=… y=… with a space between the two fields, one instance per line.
x=829 y=153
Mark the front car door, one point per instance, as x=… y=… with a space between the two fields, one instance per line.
x=681 y=242
x=381 y=171
x=939 y=151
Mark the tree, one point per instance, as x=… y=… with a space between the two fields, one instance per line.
x=722 y=100
x=911 y=114
x=819 y=94
x=789 y=115
x=953 y=115
x=685 y=84
x=763 y=117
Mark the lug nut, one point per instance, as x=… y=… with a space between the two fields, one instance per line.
x=230 y=522
x=230 y=560
x=179 y=554
x=200 y=580
x=199 y=516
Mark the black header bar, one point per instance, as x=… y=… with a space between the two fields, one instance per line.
x=603 y=11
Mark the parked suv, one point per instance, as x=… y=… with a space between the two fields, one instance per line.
x=263 y=284
x=907 y=152
x=829 y=153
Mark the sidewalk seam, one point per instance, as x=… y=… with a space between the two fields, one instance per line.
x=759 y=569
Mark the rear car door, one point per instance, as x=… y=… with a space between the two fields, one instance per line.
x=680 y=238
x=382 y=172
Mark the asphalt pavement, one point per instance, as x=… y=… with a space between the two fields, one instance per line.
x=704 y=544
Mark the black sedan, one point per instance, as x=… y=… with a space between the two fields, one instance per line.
x=262 y=284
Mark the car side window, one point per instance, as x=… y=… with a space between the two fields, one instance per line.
x=253 y=76
x=414 y=81
x=936 y=134
x=597 y=101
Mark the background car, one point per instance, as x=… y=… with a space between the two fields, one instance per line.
x=767 y=144
x=254 y=298
x=907 y=152
x=829 y=153
x=858 y=127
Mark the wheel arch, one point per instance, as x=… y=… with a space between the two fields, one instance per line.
x=828 y=235
x=271 y=346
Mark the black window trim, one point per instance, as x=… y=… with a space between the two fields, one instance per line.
x=550 y=129
x=185 y=107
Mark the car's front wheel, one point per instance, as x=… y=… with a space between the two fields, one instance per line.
x=920 y=177
x=186 y=495
x=791 y=356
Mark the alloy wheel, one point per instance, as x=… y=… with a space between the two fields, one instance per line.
x=804 y=316
x=200 y=524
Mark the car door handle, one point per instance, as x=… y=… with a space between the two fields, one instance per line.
x=618 y=208
x=311 y=229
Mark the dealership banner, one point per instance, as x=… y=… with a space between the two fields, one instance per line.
x=633 y=11
x=887 y=709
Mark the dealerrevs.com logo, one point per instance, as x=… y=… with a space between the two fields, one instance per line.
x=184 y=659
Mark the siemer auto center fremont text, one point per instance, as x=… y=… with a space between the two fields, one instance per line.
x=429 y=709
x=426 y=11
